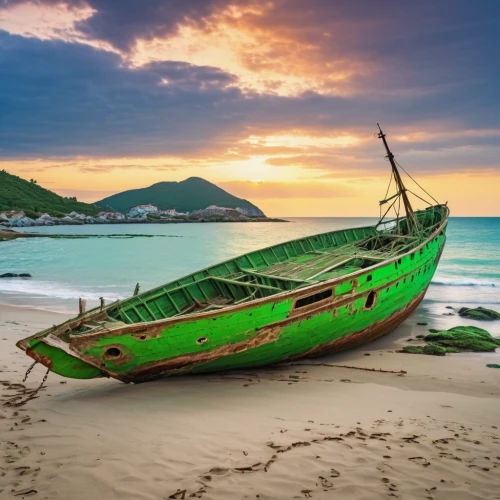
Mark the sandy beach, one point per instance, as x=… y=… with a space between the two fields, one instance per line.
x=310 y=429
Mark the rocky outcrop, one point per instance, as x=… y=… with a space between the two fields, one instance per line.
x=18 y=219
x=218 y=212
x=251 y=211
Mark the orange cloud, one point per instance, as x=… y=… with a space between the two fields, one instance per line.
x=269 y=58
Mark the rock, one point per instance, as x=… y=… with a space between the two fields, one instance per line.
x=434 y=350
x=448 y=307
x=69 y=220
x=15 y=222
x=422 y=324
x=413 y=349
x=465 y=338
x=479 y=313
x=13 y=275
x=27 y=222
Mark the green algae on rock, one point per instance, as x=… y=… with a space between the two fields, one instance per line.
x=413 y=349
x=456 y=339
x=434 y=350
x=429 y=349
x=464 y=338
x=492 y=365
x=479 y=313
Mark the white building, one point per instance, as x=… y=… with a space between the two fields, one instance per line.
x=143 y=209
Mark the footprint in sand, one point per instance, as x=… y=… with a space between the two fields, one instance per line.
x=325 y=484
x=218 y=471
x=334 y=473
x=420 y=461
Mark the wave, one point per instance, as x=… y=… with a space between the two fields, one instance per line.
x=55 y=290
x=463 y=282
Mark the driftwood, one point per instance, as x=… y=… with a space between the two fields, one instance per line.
x=351 y=367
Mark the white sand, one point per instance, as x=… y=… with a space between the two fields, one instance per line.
x=307 y=431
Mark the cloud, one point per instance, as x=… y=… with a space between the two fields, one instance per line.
x=286 y=190
x=201 y=82
x=65 y=99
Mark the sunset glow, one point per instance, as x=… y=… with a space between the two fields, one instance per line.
x=276 y=102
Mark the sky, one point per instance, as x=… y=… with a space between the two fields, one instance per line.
x=276 y=102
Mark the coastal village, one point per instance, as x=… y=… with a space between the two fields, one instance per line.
x=138 y=214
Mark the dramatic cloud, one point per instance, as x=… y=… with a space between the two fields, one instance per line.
x=283 y=91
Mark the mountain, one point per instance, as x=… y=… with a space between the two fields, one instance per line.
x=185 y=196
x=20 y=194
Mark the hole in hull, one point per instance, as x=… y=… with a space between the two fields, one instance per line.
x=112 y=353
x=370 y=300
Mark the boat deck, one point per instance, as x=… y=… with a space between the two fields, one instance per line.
x=283 y=267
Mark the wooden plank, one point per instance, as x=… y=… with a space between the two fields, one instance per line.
x=225 y=280
x=273 y=276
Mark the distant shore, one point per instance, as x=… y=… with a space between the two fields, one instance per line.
x=7 y=234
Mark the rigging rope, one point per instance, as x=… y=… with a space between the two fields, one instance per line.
x=428 y=194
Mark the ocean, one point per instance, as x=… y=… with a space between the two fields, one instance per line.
x=65 y=269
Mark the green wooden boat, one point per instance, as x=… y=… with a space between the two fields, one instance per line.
x=306 y=297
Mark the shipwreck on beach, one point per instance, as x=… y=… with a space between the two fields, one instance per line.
x=306 y=297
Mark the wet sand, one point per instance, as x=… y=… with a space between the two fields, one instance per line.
x=304 y=430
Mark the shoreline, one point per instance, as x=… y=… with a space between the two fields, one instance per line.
x=307 y=429
x=7 y=233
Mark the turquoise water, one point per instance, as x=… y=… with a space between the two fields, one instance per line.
x=64 y=270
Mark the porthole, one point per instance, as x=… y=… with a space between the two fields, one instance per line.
x=202 y=340
x=112 y=353
x=369 y=278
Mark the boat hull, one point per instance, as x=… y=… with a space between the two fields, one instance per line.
x=327 y=317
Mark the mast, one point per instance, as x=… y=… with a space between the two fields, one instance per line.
x=399 y=183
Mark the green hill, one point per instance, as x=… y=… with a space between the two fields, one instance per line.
x=192 y=194
x=20 y=194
